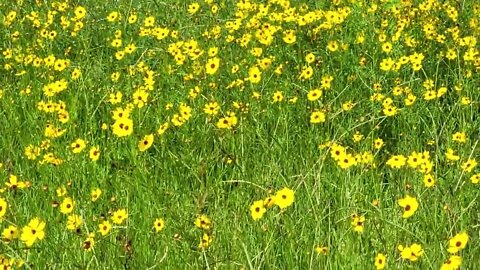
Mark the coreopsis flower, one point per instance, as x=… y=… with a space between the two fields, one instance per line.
x=257 y=209
x=410 y=99
x=357 y=136
x=412 y=253
x=132 y=18
x=465 y=101
x=119 y=216
x=61 y=191
x=390 y=110
x=380 y=261
x=115 y=76
x=284 y=198
x=307 y=73
x=277 y=97
x=378 y=143
x=254 y=75
x=212 y=65
x=130 y=48
x=95 y=194
x=428 y=180
x=227 y=122
x=387 y=47
x=163 y=127
x=468 y=165
x=211 y=108
x=430 y=95
x=145 y=143
x=149 y=21
x=94 y=153
x=326 y=82
x=346 y=161
x=3 y=207
x=76 y=73
x=89 y=242
x=73 y=222
x=289 y=36
x=140 y=97
x=317 y=117
x=13 y=183
x=414 y=159
x=203 y=222
x=113 y=16
x=358 y=223
x=193 y=8
x=122 y=127
x=159 y=224
x=34 y=231
x=347 y=106
x=450 y=155
x=314 y=94
x=104 y=227
x=115 y=98
x=269 y=202
x=475 y=178
x=32 y=152
x=453 y=263
x=205 y=241
x=332 y=46
x=80 y=12
x=310 y=58
x=10 y=233
x=397 y=161
x=387 y=64
x=441 y=91
x=409 y=204
x=78 y=146
x=321 y=250
x=460 y=137
x=66 y=207
x=458 y=242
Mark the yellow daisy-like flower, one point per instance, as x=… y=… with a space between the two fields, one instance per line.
x=145 y=143
x=104 y=227
x=159 y=224
x=35 y=230
x=458 y=242
x=257 y=209
x=77 y=146
x=412 y=253
x=119 y=216
x=409 y=204
x=94 y=153
x=66 y=207
x=453 y=263
x=3 y=208
x=380 y=261
x=284 y=198
x=203 y=222
x=317 y=117
x=212 y=65
x=314 y=94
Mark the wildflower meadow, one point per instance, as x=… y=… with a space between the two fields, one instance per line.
x=239 y=134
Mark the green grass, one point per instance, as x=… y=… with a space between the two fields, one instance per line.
x=198 y=168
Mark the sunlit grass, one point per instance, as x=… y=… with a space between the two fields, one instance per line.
x=239 y=134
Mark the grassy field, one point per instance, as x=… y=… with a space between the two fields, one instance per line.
x=239 y=134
